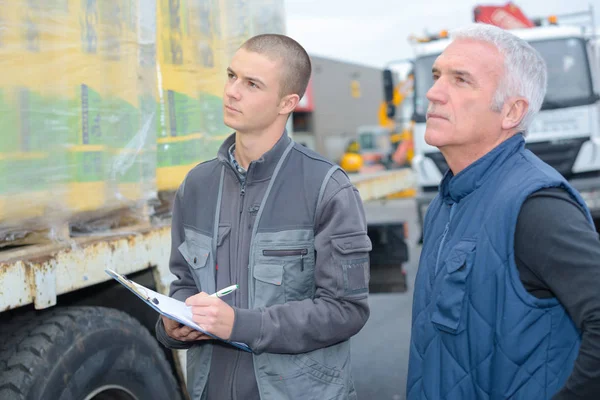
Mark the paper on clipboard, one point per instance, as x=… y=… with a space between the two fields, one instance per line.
x=167 y=306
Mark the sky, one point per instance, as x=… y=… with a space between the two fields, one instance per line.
x=373 y=32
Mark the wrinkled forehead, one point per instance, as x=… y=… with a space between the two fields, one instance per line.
x=475 y=56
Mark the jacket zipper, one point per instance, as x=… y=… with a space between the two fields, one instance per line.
x=446 y=229
x=240 y=230
x=288 y=252
x=232 y=279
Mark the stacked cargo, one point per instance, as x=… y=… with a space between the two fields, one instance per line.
x=148 y=94
x=125 y=144
x=78 y=79
x=180 y=136
x=27 y=148
x=105 y=103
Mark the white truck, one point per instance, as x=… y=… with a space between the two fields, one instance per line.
x=566 y=132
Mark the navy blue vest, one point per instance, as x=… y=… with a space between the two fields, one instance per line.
x=476 y=332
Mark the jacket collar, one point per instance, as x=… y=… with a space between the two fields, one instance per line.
x=454 y=188
x=262 y=168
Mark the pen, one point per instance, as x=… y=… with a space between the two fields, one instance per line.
x=225 y=291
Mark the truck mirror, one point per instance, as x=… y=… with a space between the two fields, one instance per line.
x=388 y=85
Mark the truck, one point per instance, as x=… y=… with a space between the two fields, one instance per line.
x=565 y=133
x=68 y=330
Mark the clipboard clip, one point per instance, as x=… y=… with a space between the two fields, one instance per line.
x=136 y=289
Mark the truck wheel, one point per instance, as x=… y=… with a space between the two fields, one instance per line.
x=85 y=353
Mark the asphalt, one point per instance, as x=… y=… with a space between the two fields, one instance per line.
x=380 y=350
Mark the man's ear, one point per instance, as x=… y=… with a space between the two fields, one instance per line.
x=514 y=112
x=288 y=103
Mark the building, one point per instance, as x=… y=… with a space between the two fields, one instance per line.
x=341 y=98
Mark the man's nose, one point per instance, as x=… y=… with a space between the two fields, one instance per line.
x=438 y=93
x=231 y=90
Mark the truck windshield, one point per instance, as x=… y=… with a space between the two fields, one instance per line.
x=569 y=79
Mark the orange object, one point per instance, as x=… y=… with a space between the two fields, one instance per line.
x=351 y=162
x=508 y=16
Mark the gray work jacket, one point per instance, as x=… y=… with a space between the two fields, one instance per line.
x=293 y=234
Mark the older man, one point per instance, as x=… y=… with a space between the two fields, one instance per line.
x=506 y=300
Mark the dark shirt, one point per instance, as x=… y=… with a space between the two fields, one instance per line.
x=557 y=252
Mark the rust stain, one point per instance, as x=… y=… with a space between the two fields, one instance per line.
x=45 y=259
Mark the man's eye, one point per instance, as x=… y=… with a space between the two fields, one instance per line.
x=435 y=77
x=230 y=75
x=252 y=84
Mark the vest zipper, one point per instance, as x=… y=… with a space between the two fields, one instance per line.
x=285 y=252
x=446 y=229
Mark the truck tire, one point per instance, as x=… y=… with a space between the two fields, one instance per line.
x=82 y=353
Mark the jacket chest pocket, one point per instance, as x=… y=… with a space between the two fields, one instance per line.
x=449 y=312
x=284 y=273
x=196 y=250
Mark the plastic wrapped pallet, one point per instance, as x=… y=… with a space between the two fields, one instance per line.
x=103 y=103
x=27 y=156
x=73 y=141
x=180 y=135
x=148 y=94
x=125 y=141
x=79 y=83
x=196 y=42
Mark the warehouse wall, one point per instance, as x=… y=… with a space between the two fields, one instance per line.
x=345 y=97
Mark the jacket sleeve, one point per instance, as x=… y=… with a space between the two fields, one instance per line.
x=184 y=286
x=340 y=307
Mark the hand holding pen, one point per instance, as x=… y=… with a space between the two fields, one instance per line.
x=225 y=291
x=211 y=313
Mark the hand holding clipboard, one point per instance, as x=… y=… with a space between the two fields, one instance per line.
x=172 y=308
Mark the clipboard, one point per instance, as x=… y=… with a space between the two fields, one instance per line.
x=168 y=306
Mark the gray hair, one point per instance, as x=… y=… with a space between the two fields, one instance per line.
x=525 y=72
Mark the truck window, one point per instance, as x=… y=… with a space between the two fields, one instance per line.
x=423 y=82
x=569 y=80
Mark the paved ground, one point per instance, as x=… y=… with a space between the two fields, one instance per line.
x=380 y=350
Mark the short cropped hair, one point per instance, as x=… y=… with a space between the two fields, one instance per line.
x=525 y=71
x=295 y=60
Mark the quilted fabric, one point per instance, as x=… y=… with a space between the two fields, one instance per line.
x=477 y=334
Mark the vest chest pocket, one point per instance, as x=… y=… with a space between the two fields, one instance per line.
x=268 y=289
x=284 y=273
x=449 y=309
x=196 y=251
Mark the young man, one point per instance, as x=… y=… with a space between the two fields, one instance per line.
x=506 y=301
x=284 y=224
